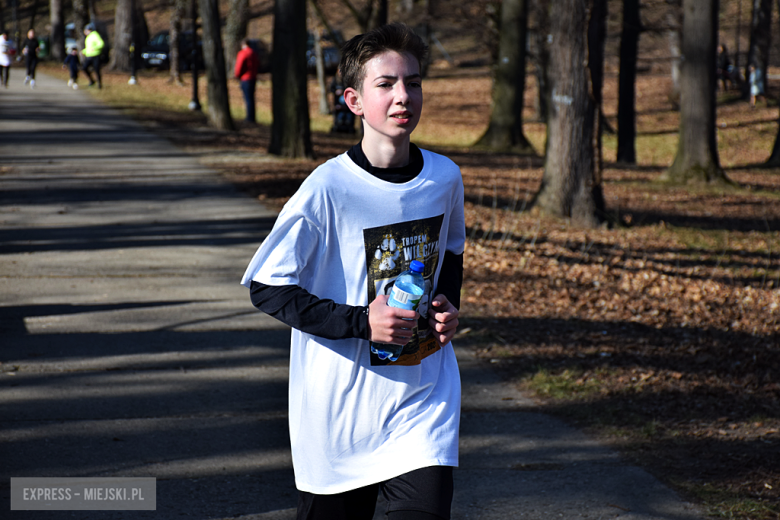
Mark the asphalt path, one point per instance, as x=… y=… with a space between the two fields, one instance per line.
x=129 y=349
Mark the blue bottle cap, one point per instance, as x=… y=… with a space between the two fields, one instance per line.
x=416 y=266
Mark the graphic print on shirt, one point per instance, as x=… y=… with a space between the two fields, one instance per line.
x=389 y=252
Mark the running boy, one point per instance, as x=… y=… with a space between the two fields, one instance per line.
x=360 y=425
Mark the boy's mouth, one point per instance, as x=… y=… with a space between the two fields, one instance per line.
x=402 y=116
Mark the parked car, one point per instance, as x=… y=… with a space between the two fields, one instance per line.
x=156 y=53
x=330 y=55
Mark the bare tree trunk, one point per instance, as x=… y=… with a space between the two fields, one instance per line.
x=373 y=14
x=80 y=20
x=760 y=36
x=629 y=44
x=570 y=187
x=505 y=131
x=214 y=58
x=235 y=30
x=319 y=60
x=597 y=35
x=57 y=40
x=16 y=32
x=290 y=132
x=541 y=58
x=123 y=35
x=774 y=158
x=378 y=16
x=174 y=40
x=675 y=45
x=697 y=152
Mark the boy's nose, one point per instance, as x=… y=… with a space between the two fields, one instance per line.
x=401 y=95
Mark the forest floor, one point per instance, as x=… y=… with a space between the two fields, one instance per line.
x=659 y=332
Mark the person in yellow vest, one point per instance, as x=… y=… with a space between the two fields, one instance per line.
x=93 y=47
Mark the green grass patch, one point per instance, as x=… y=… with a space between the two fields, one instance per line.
x=569 y=384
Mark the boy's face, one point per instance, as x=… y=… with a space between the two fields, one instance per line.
x=390 y=100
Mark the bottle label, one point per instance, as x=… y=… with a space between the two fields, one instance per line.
x=403 y=299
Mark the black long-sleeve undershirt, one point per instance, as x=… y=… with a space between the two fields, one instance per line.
x=298 y=308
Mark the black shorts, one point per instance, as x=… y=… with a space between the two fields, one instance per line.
x=427 y=491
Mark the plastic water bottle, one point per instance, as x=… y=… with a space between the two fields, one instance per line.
x=406 y=294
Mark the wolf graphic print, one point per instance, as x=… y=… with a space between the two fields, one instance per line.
x=389 y=252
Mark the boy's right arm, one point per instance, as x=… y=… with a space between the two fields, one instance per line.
x=296 y=307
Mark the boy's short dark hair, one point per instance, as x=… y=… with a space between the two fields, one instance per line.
x=356 y=52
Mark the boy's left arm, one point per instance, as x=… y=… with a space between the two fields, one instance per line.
x=443 y=313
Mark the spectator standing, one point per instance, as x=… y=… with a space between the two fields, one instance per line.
x=30 y=51
x=93 y=48
x=247 y=66
x=724 y=66
x=72 y=63
x=6 y=51
x=756 y=81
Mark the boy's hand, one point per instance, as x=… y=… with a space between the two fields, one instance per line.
x=443 y=319
x=390 y=324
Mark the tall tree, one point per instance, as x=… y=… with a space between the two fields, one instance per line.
x=629 y=45
x=57 y=39
x=697 y=152
x=80 y=19
x=505 y=131
x=597 y=35
x=235 y=30
x=570 y=184
x=372 y=15
x=129 y=28
x=123 y=35
x=760 y=36
x=214 y=59
x=541 y=11
x=290 y=132
x=774 y=158
x=174 y=40
x=674 y=22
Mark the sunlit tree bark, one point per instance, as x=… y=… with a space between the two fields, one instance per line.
x=57 y=39
x=235 y=30
x=697 y=152
x=570 y=186
x=214 y=59
x=123 y=35
x=174 y=39
x=505 y=131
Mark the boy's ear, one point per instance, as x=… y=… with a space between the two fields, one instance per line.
x=352 y=99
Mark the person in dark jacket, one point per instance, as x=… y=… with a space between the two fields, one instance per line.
x=30 y=51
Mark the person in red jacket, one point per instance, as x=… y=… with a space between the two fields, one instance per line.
x=247 y=65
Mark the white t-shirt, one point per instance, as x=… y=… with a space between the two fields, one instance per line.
x=5 y=46
x=345 y=235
